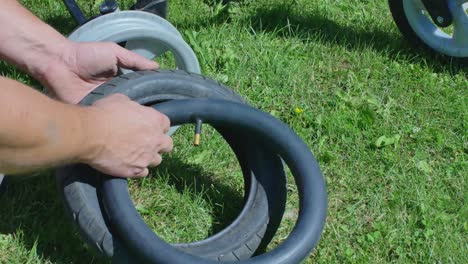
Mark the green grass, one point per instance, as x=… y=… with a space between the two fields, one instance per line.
x=387 y=123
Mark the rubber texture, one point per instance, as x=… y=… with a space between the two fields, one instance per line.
x=264 y=201
x=261 y=127
x=398 y=14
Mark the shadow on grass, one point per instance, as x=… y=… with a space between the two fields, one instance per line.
x=280 y=17
x=62 y=23
x=31 y=208
x=9 y=70
x=227 y=202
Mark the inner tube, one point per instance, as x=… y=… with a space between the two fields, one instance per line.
x=264 y=199
x=142 y=242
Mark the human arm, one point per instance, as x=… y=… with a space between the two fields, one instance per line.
x=115 y=135
x=70 y=70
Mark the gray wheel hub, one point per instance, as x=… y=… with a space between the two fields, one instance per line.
x=144 y=33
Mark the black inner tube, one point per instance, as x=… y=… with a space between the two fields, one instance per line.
x=265 y=199
x=260 y=126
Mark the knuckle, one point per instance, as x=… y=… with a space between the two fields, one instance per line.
x=139 y=172
x=165 y=120
x=122 y=96
x=165 y=144
x=132 y=172
x=146 y=159
x=119 y=96
x=157 y=144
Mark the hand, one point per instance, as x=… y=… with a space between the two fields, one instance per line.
x=81 y=67
x=127 y=138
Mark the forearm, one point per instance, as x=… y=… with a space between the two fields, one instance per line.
x=38 y=132
x=26 y=41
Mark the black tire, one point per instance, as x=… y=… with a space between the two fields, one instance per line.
x=265 y=200
x=399 y=16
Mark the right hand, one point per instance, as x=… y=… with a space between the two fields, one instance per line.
x=127 y=137
x=82 y=66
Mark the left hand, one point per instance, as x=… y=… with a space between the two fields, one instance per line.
x=83 y=66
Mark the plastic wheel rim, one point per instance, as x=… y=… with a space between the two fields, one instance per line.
x=146 y=34
x=455 y=45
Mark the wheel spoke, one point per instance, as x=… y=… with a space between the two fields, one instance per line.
x=460 y=26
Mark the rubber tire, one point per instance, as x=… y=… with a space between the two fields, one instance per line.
x=79 y=184
x=398 y=14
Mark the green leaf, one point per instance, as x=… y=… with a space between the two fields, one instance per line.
x=33 y=252
x=423 y=166
x=142 y=209
x=384 y=141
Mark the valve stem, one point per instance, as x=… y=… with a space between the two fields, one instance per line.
x=198 y=129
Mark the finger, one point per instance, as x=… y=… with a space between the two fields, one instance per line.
x=156 y=160
x=160 y=120
x=165 y=123
x=167 y=144
x=133 y=61
x=140 y=173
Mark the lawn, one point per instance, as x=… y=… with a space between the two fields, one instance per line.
x=387 y=123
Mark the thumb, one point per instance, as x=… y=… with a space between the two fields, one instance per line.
x=133 y=61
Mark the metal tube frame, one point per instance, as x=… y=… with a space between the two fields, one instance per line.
x=77 y=14
x=75 y=11
x=438 y=9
